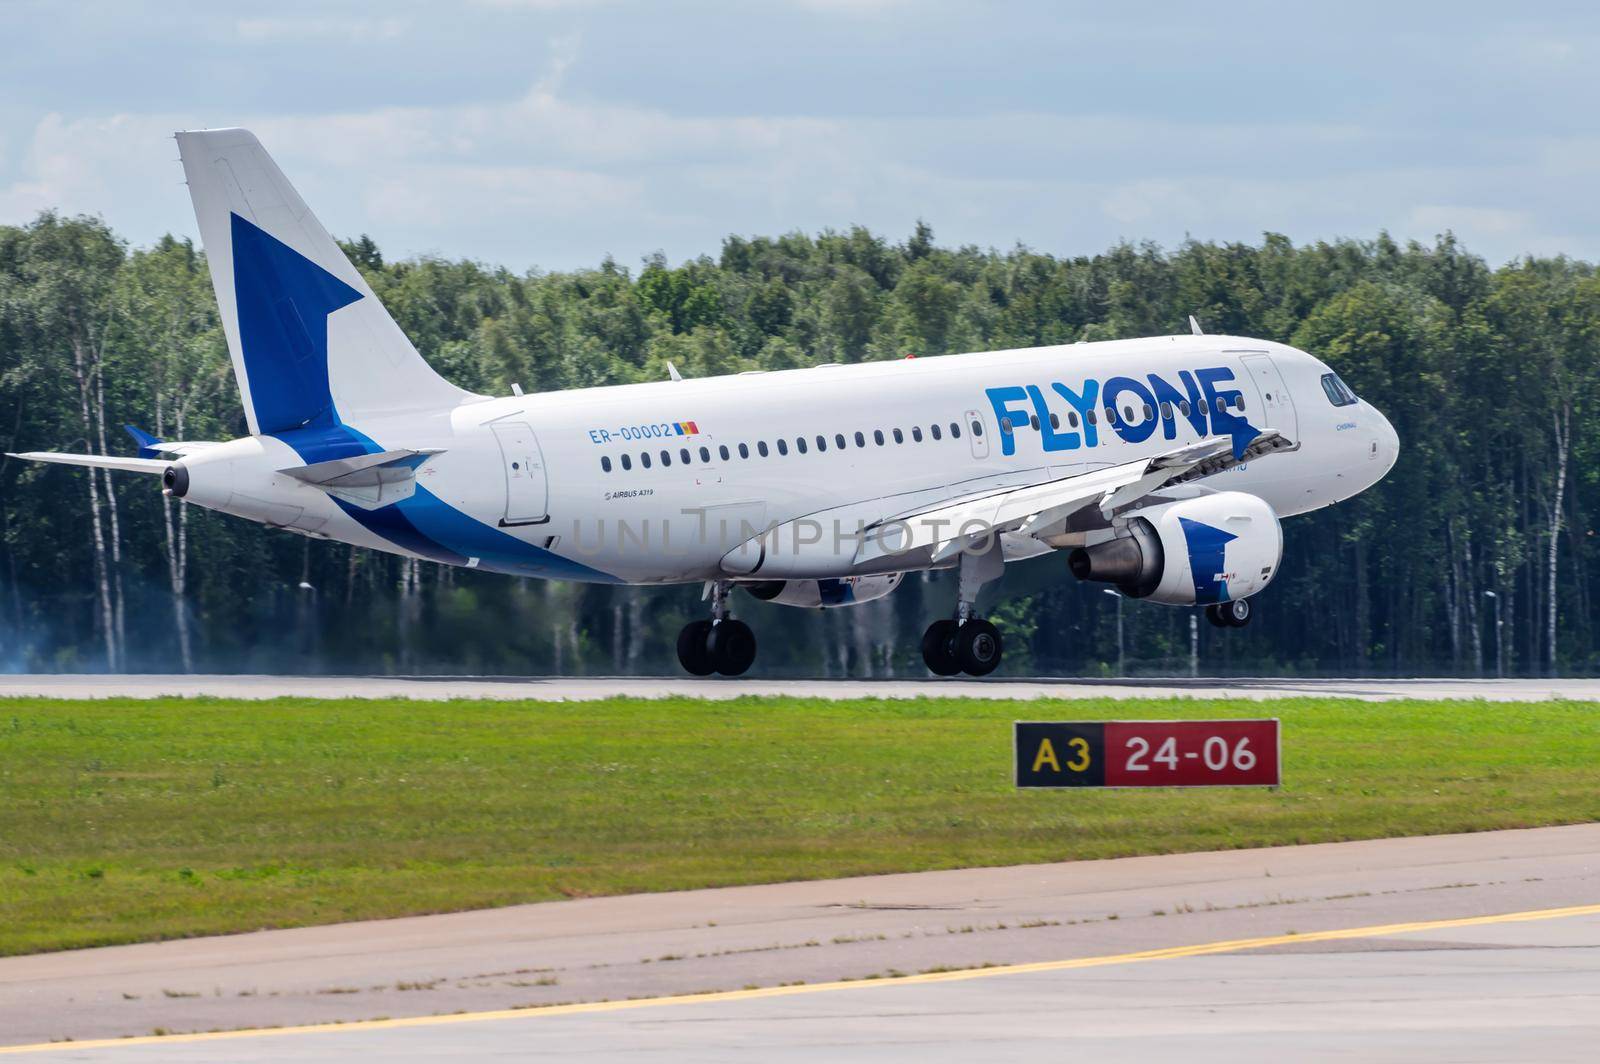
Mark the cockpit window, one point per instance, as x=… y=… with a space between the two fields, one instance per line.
x=1339 y=393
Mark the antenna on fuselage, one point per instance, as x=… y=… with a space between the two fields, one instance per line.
x=1194 y=326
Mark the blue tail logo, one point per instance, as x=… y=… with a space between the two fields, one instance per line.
x=284 y=300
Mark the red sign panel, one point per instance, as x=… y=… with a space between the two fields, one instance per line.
x=1192 y=753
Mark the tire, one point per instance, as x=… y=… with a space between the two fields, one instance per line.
x=731 y=647
x=1236 y=613
x=693 y=653
x=937 y=652
x=1214 y=615
x=978 y=647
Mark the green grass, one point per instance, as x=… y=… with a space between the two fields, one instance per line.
x=130 y=820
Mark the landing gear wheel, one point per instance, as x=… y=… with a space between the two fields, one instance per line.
x=977 y=646
x=693 y=653
x=1235 y=614
x=938 y=652
x=731 y=647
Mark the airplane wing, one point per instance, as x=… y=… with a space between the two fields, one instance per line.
x=945 y=526
x=97 y=461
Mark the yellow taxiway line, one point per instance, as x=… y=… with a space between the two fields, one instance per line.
x=955 y=976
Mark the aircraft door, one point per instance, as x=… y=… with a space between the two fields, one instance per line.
x=977 y=434
x=1277 y=409
x=527 y=487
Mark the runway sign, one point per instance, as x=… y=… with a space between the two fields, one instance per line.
x=1148 y=753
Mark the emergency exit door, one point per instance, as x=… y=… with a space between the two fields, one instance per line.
x=527 y=488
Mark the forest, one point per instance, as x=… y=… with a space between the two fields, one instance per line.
x=1475 y=557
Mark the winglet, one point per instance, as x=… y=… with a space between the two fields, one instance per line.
x=147 y=443
x=1194 y=326
x=672 y=372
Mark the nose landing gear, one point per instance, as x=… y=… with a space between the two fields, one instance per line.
x=721 y=644
x=1235 y=614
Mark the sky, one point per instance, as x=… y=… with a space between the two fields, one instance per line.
x=550 y=134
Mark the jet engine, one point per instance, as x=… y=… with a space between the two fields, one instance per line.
x=823 y=594
x=1215 y=548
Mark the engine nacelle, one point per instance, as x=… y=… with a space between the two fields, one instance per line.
x=1214 y=548
x=824 y=594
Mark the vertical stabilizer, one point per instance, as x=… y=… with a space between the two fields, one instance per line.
x=311 y=345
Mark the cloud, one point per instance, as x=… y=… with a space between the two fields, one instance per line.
x=555 y=172
x=320 y=27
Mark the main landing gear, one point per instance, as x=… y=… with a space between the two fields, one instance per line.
x=720 y=644
x=967 y=643
x=1235 y=614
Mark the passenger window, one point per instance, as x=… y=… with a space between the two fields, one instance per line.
x=1148 y=413
x=666 y=458
x=627 y=463
x=877 y=437
x=1005 y=426
x=1089 y=417
x=1111 y=415
x=1238 y=403
x=977 y=427
x=1183 y=407
x=861 y=441
x=1166 y=411
x=1221 y=406
x=1127 y=414
x=744 y=452
x=605 y=463
x=783 y=448
x=916 y=433
x=838 y=440
x=899 y=437
x=955 y=431
x=934 y=428
x=1072 y=418
x=1033 y=422
x=722 y=449
x=800 y=442
x=705 y=455
x=1055 y=422
x=761 y=447
x=822 y=444
x=684 y=456
x=644 y=459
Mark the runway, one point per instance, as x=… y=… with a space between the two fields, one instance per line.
x=1466 y=947
x=591 y=688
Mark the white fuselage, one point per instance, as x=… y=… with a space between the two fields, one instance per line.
x=575 y=484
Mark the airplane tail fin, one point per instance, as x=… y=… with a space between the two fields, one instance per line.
x=312 y=347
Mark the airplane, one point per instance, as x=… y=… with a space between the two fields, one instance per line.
x=1160 y=467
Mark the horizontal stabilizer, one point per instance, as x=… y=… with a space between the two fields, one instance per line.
x=150 y=447
x=366 y=480
x=97 y=461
